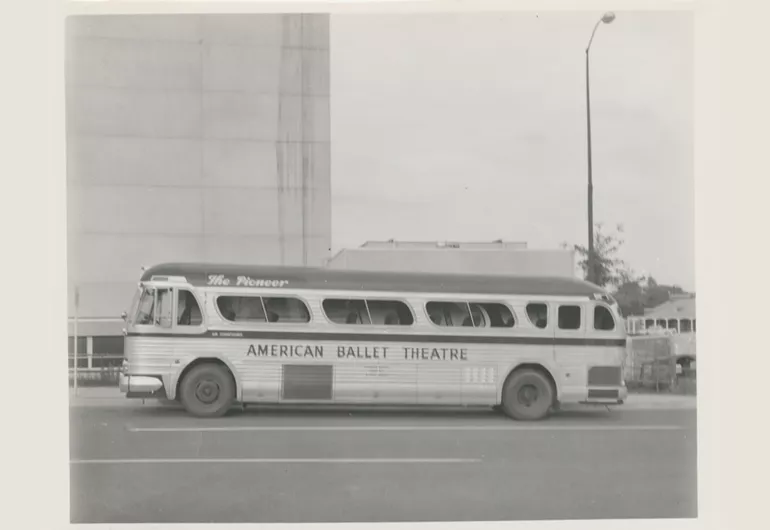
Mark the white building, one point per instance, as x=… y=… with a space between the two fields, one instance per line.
x=194 y=138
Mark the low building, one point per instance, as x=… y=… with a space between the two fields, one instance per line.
x=496 y=257
x=676 y=315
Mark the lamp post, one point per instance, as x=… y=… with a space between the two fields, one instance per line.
x=607 y=18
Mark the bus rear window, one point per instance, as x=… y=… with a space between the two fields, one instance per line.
x=603 y=320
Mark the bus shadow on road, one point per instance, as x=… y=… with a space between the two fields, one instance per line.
x=371 y=412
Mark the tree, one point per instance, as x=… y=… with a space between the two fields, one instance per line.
x=630 y=298
x=633 y=293
x=635 y=297
x=610 y=271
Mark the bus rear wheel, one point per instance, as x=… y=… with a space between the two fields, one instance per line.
x=527 y=395
x=207 y=391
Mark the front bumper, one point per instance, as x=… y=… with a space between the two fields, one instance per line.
x=141 y=386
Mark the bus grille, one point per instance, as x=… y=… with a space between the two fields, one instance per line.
x=604 y=376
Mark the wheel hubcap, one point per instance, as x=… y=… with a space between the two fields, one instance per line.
x=528 y=395
x=207 y=391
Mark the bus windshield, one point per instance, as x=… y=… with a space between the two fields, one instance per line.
x=146 y=306
x=154 y=308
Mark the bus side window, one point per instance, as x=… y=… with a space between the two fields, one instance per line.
x=492 y=315
x=225 y=304
x=286 y=310
x=390 y=313
x=450 y=314
x=603 y=320
x=344 y=311
x=569 y=317
x=335 y=311
x=436 y=316
x=537 y=313
x=241 y=308
x=188 y=310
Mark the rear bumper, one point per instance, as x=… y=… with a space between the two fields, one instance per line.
x=141 y=386
x=606 y=395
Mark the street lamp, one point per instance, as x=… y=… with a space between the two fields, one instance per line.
x=607 y=18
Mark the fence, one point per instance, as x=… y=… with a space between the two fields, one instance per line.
x=99 y=358
x=95 y=370
x=661 y=363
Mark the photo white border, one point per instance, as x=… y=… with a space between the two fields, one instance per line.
x=731 y=254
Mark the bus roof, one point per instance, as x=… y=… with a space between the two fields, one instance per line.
x=211 y=274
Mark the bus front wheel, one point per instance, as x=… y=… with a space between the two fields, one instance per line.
x=207 y=391
x=527 y=395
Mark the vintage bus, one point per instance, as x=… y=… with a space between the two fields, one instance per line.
x=214 y=336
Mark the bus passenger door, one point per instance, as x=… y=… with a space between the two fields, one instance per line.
x=571 y=353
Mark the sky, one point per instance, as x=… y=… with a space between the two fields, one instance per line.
x=472 y=127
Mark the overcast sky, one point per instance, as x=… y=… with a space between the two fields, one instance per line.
x=473 y=127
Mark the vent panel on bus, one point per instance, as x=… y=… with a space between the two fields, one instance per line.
x=307 y=382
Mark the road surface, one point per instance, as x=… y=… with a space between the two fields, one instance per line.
x=158 y=465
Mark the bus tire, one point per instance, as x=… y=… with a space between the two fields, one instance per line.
x=527 y=395
x=207 y=391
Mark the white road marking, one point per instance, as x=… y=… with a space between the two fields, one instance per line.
x=257 y=428
x=279 y=461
